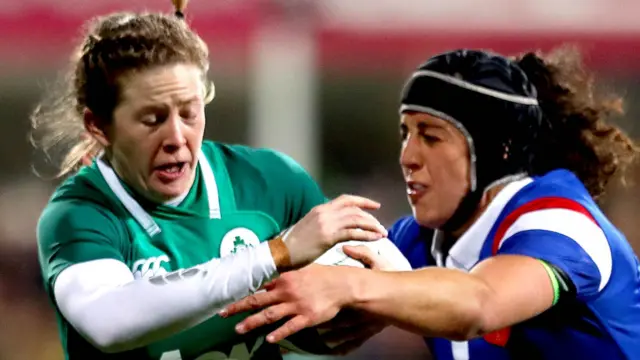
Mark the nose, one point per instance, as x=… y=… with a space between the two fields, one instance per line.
x=174 y=137
x=410 y=158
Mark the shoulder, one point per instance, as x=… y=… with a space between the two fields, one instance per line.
x=72 y=231
x=555 y=200
x=89 y=188
x=413 y=240
x=79 y=204
x=555 y=185
x=63 y=219
x=404 y=229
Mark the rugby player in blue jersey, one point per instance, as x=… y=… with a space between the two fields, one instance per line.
x=503 y=157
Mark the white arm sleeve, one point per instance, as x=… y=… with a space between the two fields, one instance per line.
x=114 y=312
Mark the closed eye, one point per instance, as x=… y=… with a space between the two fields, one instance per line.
x=430 y=138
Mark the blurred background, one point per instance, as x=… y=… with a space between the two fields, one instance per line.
x=318 y=80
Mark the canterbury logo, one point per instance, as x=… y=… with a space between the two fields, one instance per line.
x=147 y=268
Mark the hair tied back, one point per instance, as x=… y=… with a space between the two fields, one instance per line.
x=179 y=5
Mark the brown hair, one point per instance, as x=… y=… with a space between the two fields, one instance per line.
x=115 y=45
x=576 y=133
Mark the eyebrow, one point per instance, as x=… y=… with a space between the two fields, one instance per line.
x=423 y=126
x=190 y=100
x=161 y=106
x=148 y=108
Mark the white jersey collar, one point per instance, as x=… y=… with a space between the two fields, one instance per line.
x=465 y=252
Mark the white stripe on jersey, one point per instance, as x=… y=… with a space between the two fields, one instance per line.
x=575 y=226
x=460 y=350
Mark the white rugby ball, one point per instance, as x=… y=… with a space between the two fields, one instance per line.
x=383 y=247
x=308 y=340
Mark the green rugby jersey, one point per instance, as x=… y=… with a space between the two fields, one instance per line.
x=241 y=196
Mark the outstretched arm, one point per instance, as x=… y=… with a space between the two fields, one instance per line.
x=432 y=301
x=499 y=292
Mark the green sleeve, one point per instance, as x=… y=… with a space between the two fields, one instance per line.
x=71 y=232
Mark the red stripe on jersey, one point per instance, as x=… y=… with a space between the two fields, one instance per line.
x=499 y=337
x=534 y=205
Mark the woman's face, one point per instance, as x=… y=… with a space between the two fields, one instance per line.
x=435 y=163
x=157 y=130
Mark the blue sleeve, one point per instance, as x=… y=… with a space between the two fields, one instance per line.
x=560 y=251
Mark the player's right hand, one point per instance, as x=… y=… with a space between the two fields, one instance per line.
x=342 y=219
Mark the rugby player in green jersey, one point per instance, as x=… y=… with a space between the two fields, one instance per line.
x=142 y=245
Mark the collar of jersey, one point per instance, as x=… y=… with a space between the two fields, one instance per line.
x=465 y=252
x=126 y=197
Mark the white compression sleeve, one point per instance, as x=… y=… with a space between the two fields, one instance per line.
x=114 y=312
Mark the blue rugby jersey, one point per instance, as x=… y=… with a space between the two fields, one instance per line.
x=552 y=218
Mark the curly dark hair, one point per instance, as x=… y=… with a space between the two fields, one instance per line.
x=578 y=135
x=113 y=47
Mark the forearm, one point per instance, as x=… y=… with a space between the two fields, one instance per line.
x=118 y=315
x=432 y=302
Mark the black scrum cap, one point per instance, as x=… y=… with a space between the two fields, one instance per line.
x=490 y=100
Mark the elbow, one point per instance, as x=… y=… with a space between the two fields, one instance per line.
x=107 y=342
x=106 y=338
x=112 y=347
x=106 y=347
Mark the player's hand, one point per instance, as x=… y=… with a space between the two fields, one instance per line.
x=342 y=219
x=368 y=258
x=309 y=296
x=348 y=331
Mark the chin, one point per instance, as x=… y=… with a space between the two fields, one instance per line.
x=165 y=192
x=428 y=218
x=172 y=191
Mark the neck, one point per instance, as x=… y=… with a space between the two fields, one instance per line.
x=486 y=199
x=489 y=194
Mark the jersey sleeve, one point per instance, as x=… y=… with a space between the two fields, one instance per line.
x=72 y=232
x=562 y=233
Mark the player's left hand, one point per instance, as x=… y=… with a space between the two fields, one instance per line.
x=310 y=296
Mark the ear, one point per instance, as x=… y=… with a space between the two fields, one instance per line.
x=95 y=126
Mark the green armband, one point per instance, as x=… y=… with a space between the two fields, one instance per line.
x=554 y=282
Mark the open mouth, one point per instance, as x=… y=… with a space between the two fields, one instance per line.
x=171 y=171
x=415 y=191
x=175 y=167
x=414 y=187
